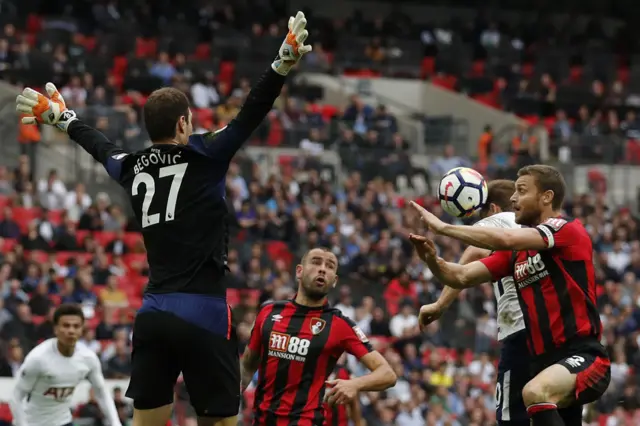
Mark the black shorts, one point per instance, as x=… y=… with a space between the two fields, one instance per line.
x=593 y=374
x=589 y=361
x=189 y=336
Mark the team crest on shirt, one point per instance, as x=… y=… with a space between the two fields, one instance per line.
x=317 y=325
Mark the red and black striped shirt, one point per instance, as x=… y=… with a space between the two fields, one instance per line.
x=299 y=347
x=337 y=415
x=556 y=287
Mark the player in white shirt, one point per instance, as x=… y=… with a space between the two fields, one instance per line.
x=513 y=369
x=52 y=370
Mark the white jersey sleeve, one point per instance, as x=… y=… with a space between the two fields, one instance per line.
x=499 y=220
x=27 y=377
x=510 y=317
x=105 y=401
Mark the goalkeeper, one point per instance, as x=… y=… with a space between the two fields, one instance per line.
x=177 y=192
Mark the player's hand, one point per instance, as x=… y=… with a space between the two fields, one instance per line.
x=340 y=392
x=45 y=110
x=293 y=47
x=429 y=313
x=424 y=246
x=429 y=219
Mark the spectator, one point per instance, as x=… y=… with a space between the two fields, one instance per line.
x=21 y=327
x=111 y=296
x=119 y=366
x=8 y=227
x=405 y=323
x=163 y=68
x=447 y=162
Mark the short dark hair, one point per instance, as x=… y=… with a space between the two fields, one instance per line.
x=163 y=109
x=323 y=249
x=499 y=193
x=67 y=309
x=547 y=178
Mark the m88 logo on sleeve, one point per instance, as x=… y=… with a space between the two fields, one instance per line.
x=285 y=346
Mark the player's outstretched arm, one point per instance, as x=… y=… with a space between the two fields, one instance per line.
x=224 y=143
x=433 y=311
x=484 y=236
x=105 y=401
x=53 y=111
x=27 y=377
x=451 y=274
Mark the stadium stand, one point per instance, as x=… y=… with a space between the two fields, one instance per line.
x=316 y=172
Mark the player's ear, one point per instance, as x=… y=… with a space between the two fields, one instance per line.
x=547 y=197
x=493 y=208
x=335 y=282
x=182 y=124
x=299 y=271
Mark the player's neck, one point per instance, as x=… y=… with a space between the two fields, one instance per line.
x=65 y=350
x=166 y=142
x=547 y=215
x=301 y=299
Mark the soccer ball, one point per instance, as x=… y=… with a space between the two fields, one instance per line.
x=462 y=192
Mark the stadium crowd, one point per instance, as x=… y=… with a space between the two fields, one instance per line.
x=60 y=243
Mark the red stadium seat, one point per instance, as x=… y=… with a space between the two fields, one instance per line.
x=23 y=216
x=62 y=257
x=4 y=201
x=8 y=244
x=428 y=67
x=445 y=81
x=203 y=51
x=252 y=296
x=136 y=282
x=133 y=258
x=37 y=256
x=131 y=239
x=135 y=303
x=233 y=296
x=104 y=237
x=120 y=64
x=34 y=23
x=575 y=74
x=5 y=413
x=328 y=112
x=89 y=43
x=478 y=68
x=81 y=235
x=55 y=216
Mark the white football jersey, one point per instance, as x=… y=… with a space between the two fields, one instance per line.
x=48 y=380
x=510 y=317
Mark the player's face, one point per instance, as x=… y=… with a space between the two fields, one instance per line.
x=68 y=329
x=318 y=274
x=527 y=201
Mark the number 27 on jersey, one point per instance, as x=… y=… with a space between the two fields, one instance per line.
x=176 y=172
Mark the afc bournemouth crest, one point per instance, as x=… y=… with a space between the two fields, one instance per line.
x=317 y=325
